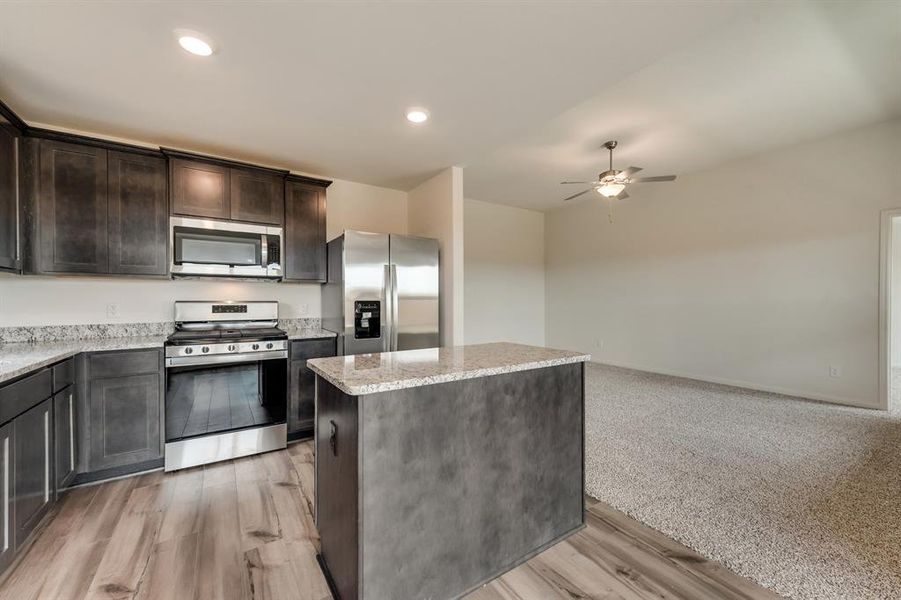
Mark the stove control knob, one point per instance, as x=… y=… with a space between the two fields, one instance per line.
x=189 y=350
x=205 y=349
x=256 y=346
x=231 y=348
x=269 y=346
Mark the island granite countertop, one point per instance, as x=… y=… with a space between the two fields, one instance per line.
x=372 y=373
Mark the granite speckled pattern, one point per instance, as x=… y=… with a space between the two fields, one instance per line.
x=306 y=328
x=93 y=331
x=308 y=333
x=23 y=357
x=372 y=373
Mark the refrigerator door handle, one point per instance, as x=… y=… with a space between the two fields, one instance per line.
x=394 y=304
x=387 y=311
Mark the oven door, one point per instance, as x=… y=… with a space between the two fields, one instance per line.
x=203 y=247
x=213 y=395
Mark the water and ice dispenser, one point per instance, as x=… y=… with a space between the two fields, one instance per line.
x=367 y=319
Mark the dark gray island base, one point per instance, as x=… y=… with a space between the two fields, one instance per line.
x=432 y=489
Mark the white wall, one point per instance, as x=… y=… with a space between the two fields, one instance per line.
x=365 y=207
x=26 y=300
x=762 y=272
x=435 y=209
x=504 y=273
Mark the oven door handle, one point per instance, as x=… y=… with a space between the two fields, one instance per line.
x=224 y=359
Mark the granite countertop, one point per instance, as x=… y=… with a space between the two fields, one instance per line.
x=19 y=358
x=373 y=373
x=308 y=333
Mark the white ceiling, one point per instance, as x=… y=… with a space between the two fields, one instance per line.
x=792 y=72
x=321 y=87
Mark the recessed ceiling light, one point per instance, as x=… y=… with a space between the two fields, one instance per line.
x=417 y=115
x=194 y=42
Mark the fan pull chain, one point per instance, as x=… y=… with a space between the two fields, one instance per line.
x=610 y=209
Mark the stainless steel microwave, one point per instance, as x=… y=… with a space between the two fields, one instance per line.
x=208 y=248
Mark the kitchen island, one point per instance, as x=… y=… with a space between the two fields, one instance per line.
x=438 y=470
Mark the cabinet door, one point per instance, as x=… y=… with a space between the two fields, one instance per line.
x=301 y=400
x=304 y=256
x=8 y=198
x=7 y=495
x=33 y=467
x=125 y=420
x=199 y=189
x=72 y=204
x=64 y=436
x=257 y=196
x=138 y=214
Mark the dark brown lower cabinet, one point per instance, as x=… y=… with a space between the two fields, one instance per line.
x=33 y=467
x=64 y=436
x=8 y=491
x=125 y=421
x=302 y=381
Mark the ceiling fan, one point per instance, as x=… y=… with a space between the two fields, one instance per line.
x=612 y=184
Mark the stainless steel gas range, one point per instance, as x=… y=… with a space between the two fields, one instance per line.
x=226 y=382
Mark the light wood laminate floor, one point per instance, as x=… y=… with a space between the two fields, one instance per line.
x=244 y=529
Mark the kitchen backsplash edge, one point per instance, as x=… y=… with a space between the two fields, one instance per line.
x=93 y=331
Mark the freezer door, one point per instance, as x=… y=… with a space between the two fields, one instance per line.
x=365 y=269
x=415 y=322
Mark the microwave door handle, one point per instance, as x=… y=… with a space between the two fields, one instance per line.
x=264 y=250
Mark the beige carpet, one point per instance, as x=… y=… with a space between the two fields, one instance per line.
x=802 y=497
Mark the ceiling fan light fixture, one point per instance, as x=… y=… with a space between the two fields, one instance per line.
x=611 y=189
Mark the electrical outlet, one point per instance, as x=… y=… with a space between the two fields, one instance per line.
x=835 y=371
x=599 y=344
x=304 y=309
x=112 y=310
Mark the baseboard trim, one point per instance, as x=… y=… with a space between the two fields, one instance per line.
x=803 y=395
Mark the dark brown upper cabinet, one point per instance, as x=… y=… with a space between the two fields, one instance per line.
x=90 y=209
x=200 y=189
x=138 y=214
x=257 y=196
x=72 y=209
x=217 y=188
x=305 y=204
x=9 y=242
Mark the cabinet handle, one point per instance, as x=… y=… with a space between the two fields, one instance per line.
x=71 y=435
x=333 y=438
x=5 y=494
x=46 y=456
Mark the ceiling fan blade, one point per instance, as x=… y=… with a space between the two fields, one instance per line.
x=582 y=182
x=577 y=195
x=653 y=179
x=622 y=195
x=628 y=172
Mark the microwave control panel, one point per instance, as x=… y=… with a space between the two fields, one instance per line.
x=367 y=319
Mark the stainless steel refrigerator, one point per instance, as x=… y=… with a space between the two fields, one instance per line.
x=382 y=292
